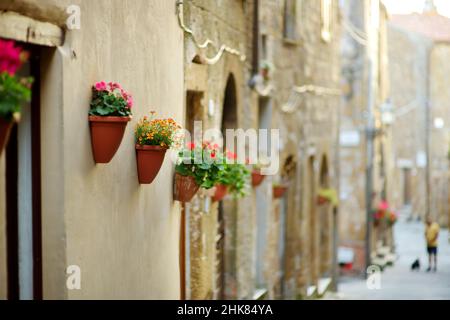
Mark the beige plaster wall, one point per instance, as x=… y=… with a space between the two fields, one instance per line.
x=124 y=236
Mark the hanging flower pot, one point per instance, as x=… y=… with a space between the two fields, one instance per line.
x=106 y=136
x=220 y=193
x=5 y=128
x=108 y=117
x=234 y=178
x=149 y=162
x=279 y=191
x=192 y=174
x=321 y=200
x=153 y=138
x=257 y=178
x=327 y=195
x=185 y=188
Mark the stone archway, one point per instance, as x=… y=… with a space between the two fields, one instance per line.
x=226 y=273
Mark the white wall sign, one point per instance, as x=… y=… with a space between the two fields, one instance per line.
x=349 y=138
x=421 y=159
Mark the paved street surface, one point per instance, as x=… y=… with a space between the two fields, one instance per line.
x=398 y=281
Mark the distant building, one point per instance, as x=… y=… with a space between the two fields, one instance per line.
x=419 y=49
x=366 y=92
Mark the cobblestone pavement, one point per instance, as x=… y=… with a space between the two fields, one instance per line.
x=398 y=281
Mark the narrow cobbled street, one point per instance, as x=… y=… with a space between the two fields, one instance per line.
x=398 y=281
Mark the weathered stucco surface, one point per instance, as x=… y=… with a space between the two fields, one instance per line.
x=123 y=236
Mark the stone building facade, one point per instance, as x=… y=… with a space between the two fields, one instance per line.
x=420 y=98
x=273 y=248
x=202 y=61
x=408 y=73
x=366 y=90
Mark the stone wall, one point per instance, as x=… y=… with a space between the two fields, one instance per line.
x=440 y=137
x=308 y=130
x=408 y=55
x=365 y=62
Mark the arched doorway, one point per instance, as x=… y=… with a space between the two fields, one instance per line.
x=286 y=221
x=226 y=282
x=325 y=223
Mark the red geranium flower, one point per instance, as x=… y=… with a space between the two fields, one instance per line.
x=191 y=145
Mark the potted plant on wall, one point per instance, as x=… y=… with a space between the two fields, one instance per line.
x=327 y=195
x=380 y=213
x=257 y=176
x=266 y=70
x=108 y=117
x=197 y=166
x=391 y=218
x=279 y=189
x=14 y=90
x=234 y=178
x=153 y=138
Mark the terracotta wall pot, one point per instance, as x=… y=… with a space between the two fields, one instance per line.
x=221 y=192
x=185 y=188
x=5 y=128
x=321 y=200
x=257 y=178
x=279 y=191
x=106 y=136
x=149 y=161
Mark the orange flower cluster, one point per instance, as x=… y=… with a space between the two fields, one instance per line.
x=156 y=132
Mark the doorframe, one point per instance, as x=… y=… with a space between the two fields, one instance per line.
x=12 y=176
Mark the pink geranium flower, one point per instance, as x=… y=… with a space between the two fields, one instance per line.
x=101 y=86
x=130 y=102
x=114 y=85
x=383 y=205
x=11 y=57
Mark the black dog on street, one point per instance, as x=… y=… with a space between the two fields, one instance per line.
x=415 y=265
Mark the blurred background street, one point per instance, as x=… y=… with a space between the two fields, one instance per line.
x=398 y=281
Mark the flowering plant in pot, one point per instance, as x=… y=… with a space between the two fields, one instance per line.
x=108 y=117
x=391 y=218
x=257 y=176
x=14 y=90
x=153 y=138
x=327 y=195
x=234 y=178
x=197 y=166
x=266 y=70
x=380 y=212
x=279 y=189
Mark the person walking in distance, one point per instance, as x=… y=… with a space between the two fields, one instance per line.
x=431 y=235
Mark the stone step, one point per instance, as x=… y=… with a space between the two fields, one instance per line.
x=323 y=286
x=311 y=291
x=260 y=294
